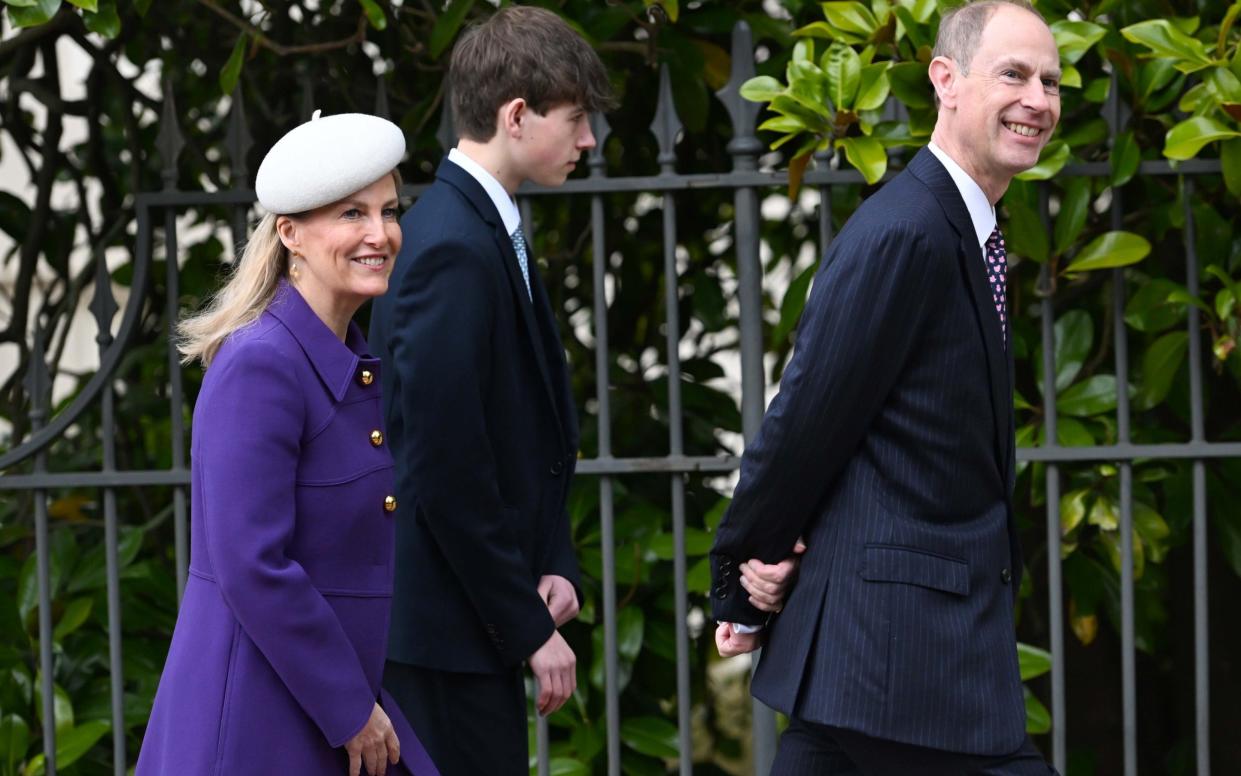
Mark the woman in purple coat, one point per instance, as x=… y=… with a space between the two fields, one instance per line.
x=276 y=660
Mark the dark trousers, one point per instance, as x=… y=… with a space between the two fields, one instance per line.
x=471 y=724
x=809 y=749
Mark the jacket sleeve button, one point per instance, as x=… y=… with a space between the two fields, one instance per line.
x=1006 y=576
x=377 y=438
x=557 y=467
x=366 y=377
x=390 y=503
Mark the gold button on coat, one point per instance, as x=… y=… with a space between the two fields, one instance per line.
x=377 y=438
x=390 y=503
x=367 y=377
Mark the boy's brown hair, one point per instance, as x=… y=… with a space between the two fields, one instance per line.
x=522 y=51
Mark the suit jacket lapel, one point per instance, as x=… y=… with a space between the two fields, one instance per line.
x=454 y=175
x=930 y=171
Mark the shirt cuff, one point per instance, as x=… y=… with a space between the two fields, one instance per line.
x=744 y=629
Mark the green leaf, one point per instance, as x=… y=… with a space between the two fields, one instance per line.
x=792 y=305
x=808 y=86
x=447 y=24
x=1160 y=365
x=843 y=69
x=232 y=68
x=34 y=14
x=1165 y=40
x=85 y=5
x=1098 y=90
x=1230 y=161
x=72 y=744
x=815 y=30
x=1108 y=250
x=1153 y=76
x=1153 y=529
x=106 y=22
x=1074 y=207
x=851 y=17
x=1072 y=510
x=1052 y=159
x=1071 y=432
x=653 y=736
x=1070 y=78
x=630 y=623
x=873 y=88
x=1186 y=139
x=1224 y=86
x=1092 y=396
x=697 y=542
x=868 y=155
x=1125 y=157
x=565 y=766
x=142 y=6
x=1025 y=233
x=1105 y=514
x=1074 y=39
x=1149 y=309
x=908 y=81
x=14 y=741
x=20 y=3
x=1038 y=718
x=74 y=615
x=374 y=14
x=62 y=707
x=761 y=88
x=27 y=588
x=1074 y=336
x=1034 y=662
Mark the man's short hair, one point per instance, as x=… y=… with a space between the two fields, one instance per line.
x=527 y=52
x=960 y=29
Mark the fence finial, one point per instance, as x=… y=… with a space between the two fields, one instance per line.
x=169 y=142
x=744 y=145
x=667 y=124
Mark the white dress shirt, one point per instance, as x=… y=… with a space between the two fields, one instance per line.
x=982 y=213
x=503 y=202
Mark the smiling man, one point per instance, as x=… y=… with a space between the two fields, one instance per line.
x=890 y=449
x=480 y=416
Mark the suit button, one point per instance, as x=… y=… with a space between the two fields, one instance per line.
x=366 y=377
x=390 y=503
x=377 y=438
x=557 y=467
x=1006 y=576
x=721 y=592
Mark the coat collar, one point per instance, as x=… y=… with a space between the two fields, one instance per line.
x=928 y=169
x=335 y=362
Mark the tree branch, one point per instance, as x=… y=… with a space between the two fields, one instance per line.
x=281 y=49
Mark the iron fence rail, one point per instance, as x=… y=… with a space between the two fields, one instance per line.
x=747 y=183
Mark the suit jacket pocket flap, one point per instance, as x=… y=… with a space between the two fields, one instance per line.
x=888 y=563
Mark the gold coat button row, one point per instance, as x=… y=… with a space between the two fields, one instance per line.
x=366 y=377
x=377 y=438
x=390 y=503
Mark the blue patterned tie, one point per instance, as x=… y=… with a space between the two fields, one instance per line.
x=523 y=258
x=997 y=275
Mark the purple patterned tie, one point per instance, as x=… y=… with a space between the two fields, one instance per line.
x=997 y=275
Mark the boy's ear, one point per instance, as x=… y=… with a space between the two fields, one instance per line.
x=511 y=116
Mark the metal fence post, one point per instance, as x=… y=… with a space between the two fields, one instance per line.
x=745 y=148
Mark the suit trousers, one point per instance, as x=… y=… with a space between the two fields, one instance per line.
x=810 y=749
x=470 y=724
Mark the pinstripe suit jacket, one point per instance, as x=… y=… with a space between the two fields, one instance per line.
x=890 y=449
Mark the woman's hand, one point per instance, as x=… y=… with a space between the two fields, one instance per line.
x=376 y=745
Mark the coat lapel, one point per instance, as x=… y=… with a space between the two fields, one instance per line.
x=453 y=174
x=930 y=171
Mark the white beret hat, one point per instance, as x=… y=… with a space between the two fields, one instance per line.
x=327 y=159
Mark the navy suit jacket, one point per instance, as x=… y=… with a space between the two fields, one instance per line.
x=483 y=432
x=890 y=449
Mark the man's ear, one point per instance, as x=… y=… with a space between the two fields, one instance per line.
x=287 y=231
x=944 y=75
x=511 y=115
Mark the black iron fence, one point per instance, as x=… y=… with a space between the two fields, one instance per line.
x=156 y=217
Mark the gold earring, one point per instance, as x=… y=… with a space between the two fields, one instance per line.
x=294 y=269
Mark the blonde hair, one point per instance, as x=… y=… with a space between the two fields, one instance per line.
x=248 y=292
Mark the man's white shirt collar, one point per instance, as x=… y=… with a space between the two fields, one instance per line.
x=503 y=202
x=982 y=214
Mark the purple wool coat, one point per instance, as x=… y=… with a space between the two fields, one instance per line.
x=278 y=651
